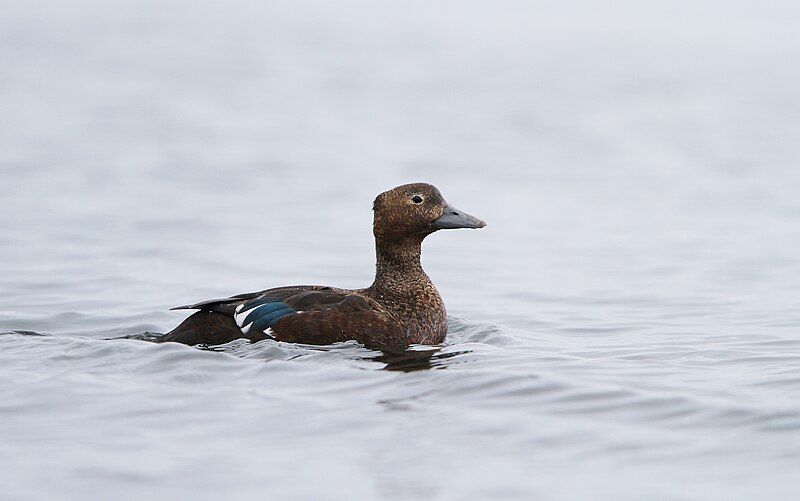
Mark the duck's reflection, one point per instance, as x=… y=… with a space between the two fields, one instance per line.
x=415 y=359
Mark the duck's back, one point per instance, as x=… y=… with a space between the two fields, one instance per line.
x=309 y=314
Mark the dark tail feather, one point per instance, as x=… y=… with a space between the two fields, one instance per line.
x=207 y=328
x=212 y=304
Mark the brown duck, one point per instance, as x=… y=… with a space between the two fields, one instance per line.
x=400 y=308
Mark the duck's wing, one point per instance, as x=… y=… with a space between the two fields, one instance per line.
x=229 y=304
x=310 y=314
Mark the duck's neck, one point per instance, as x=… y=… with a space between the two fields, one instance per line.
x=398 y=269
x=402 y=287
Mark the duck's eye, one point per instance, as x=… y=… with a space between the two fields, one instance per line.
x=416 y=199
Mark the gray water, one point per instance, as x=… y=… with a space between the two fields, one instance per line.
x=626 y=327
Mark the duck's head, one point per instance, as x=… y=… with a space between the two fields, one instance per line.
x=415 y=211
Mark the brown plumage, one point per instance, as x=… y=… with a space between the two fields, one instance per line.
x=401 y=307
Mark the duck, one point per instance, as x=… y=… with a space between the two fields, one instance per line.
x=401 y=308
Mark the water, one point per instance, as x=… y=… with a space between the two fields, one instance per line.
x=625 y=327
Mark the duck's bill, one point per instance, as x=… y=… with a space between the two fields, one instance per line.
x=453 y=218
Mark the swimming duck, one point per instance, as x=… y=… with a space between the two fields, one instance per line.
x=400 y=308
